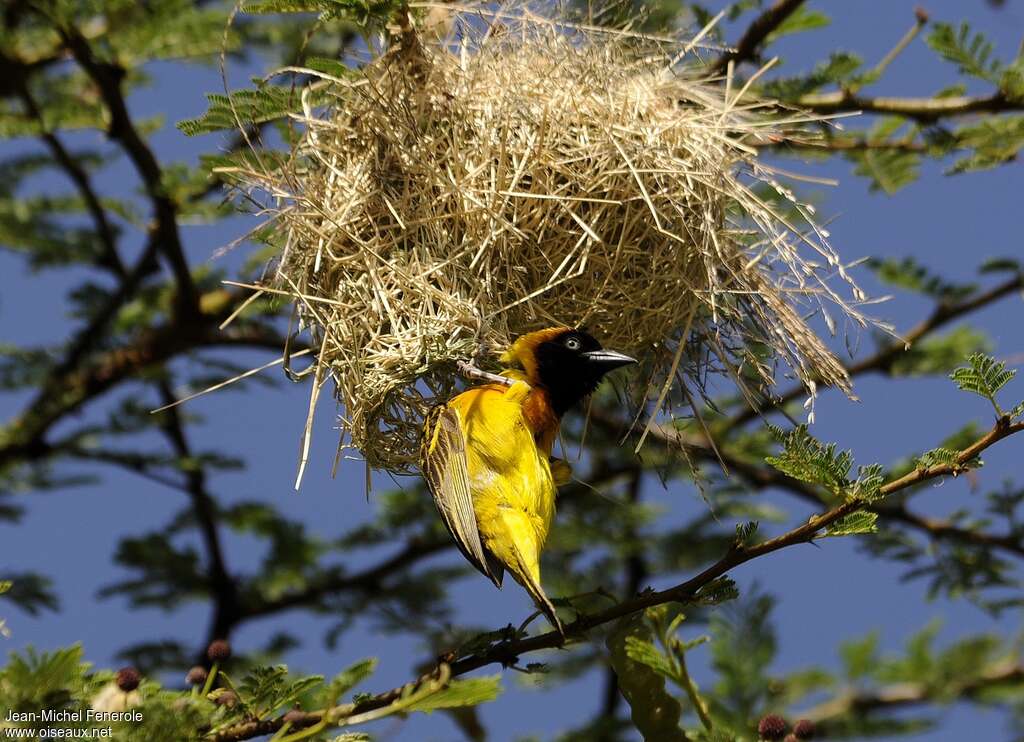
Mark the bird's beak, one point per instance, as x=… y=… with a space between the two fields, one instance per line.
x=608 y=360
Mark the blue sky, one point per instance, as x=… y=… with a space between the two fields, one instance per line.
x=827 y=594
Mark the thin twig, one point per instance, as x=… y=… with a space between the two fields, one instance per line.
x=920 y=21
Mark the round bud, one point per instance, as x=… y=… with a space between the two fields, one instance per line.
x=226 y=698
x=804 y=729
x=772 y=727
x=196 y=676
x=127 y=679
x=219 y=650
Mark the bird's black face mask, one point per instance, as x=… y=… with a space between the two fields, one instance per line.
x=571 y=365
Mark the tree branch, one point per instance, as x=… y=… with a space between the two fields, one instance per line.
x=750 y=43
x=920 y=109
x=368 y=579
x=636 y=575
x=844 y=144
x=108 y=78
x=902 y=695
x=110 y=258
x=63 y=393
x=507 y=652
x=223 y=589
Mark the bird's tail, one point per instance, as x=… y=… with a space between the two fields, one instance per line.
x=516 y=544
x=530 y=580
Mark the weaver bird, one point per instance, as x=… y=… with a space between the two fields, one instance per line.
x=486 y=454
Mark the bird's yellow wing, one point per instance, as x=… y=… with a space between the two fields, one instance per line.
x=446 y=471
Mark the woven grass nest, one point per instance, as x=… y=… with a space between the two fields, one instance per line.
x=520 y=173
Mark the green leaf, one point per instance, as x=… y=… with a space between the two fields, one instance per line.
x=860 y=657
x=35 y=677
x=169 y=30
x=266 y=689
x=31 y=592
x=994 y=141
x=888 y=169
x=282 y=6
x=245 y=108
x=804 y=19
x=348 y=679
x=645 y=652
x=985 y=376
x=937 y=457
x=457 y=693
x=745 y=532
x=717 y=591
x=803 y=457
x=853 y=524
x=998 y=265
x=909 y=273
x=743 y=647
x=838 y=68
x=941 y=354
x=331 y=67
x=869 y=480
x=972 y=52
x=360 y=11
x=1017 y=411
x=1011 y=82
x=654 y=711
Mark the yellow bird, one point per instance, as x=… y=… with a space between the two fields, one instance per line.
x=486 y=454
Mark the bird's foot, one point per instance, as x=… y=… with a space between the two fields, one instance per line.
x=472 y=372
x=561 y=472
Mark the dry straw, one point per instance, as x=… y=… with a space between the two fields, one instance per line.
x=521 y=173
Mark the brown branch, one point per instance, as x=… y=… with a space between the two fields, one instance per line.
x=110 y=258
x=367 y=580
x=750 y=43
x=883 y=359
x=848 y=144
x=89 y=335
x=108 y=78
x=129 y=461
x=508 y=652
x=941 y=529
x=223 y=589
x=636 y=576
x=902 y=695
x=65 y=392
x=920 y=109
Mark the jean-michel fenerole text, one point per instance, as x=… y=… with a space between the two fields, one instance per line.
x=66 y=715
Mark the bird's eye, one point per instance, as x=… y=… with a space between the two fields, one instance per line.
x=572 y=343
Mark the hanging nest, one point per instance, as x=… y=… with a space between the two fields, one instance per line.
x=520 y=173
